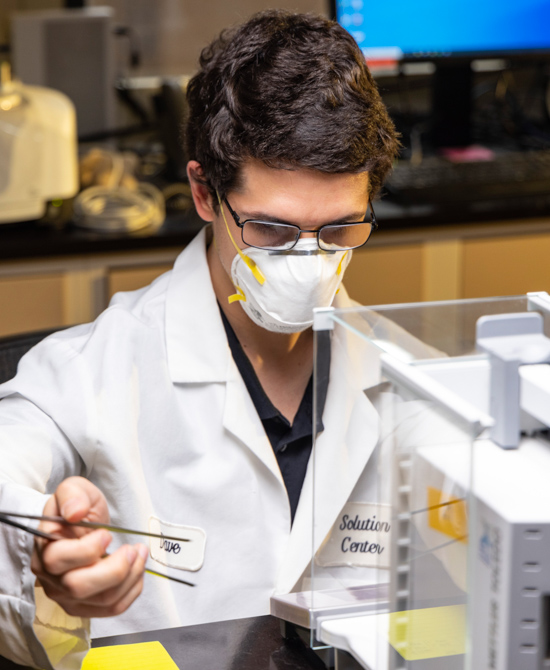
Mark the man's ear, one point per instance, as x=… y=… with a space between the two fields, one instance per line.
x=200 y=192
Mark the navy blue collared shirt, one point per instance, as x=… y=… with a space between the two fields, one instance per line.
x=292 y=443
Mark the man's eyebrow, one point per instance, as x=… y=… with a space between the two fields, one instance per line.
x=353 y=217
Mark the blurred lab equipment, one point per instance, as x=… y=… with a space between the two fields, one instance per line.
x=70 y=50
x=38 y=149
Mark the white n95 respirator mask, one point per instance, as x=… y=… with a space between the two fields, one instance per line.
x=295 y=282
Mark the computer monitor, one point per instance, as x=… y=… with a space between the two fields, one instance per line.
x=450 y=34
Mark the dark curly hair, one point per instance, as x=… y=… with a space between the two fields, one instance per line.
x=291 y=90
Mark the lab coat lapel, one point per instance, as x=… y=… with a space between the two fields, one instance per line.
x=201 y=354
x=197 y=349
x=241 y=418
x=341 y=452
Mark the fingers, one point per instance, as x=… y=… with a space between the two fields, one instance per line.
x=105 y=588
x=74 y=571
x=114 y=610
x=76 y=498
x=61 y=556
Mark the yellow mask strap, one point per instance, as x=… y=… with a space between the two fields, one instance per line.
x=237 y=296
x=258 y=276
x=339 y=268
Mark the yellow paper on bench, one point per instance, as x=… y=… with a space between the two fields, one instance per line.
x=140 y=656
x=429 y=633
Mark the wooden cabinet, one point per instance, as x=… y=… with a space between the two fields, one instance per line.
x=129 y=279
x=506 y=266
x=32 y=302
x=468 y=261
x=378 y=275
x=36 y=295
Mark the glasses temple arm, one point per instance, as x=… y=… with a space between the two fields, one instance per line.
x=232 y=212
x=374 y=222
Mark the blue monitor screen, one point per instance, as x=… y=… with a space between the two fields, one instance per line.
x=432 y=28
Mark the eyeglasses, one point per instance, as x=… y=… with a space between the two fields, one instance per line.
x=284 y=236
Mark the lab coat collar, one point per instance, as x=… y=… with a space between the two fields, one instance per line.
x=199 y=353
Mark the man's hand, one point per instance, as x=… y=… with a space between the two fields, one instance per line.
x=72 y=570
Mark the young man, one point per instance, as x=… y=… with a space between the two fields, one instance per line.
x=186 y=407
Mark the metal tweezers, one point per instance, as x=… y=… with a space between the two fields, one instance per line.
x=86 y=524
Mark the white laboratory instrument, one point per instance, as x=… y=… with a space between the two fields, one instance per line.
x=455 y=496
x=38 y=149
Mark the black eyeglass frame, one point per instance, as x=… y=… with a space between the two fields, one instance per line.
x=240 y=224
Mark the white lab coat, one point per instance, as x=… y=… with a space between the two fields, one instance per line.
x=148 y=404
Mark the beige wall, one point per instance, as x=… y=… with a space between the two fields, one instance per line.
x=173 y=32
x=9 y=6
